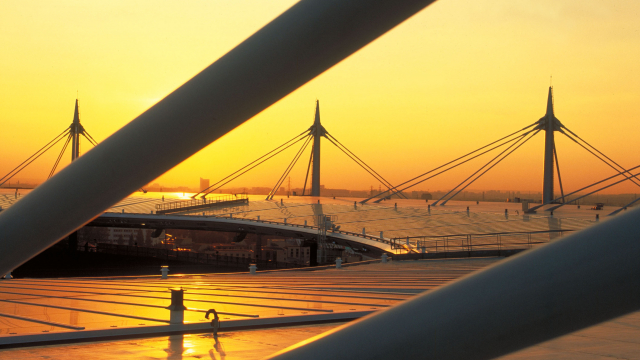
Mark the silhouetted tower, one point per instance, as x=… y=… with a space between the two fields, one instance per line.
x=318 y=131
x=550 y=124
x=76 y=130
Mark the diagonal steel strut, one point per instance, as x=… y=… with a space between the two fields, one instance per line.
x=300 y=44
x=580 y=280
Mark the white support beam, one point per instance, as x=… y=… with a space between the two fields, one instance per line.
x=583 y=279
x=300 y=44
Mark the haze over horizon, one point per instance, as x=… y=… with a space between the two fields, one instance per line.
x=449 y=80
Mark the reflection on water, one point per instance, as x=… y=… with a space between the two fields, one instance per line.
x=175 y=347
x=217 y=348
x=181 y=346
x=554 y=224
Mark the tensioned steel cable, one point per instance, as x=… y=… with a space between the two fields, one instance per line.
x=386 y=183
x=467 y=160
x=477 y=171
x=36 y=153
x=588 y=283
x=207 y=191
x=586 y=187
x=555 y=154
x=64 y=148
x=496 y=163
x=450 y=162
x=593 y=192
x=624 y=207
x=591 y=146
x=91 y=141
x=601 y=159
x=380 y=179
x=518 y=138
x=298 y=137
x=289 y=168
x=304 y=188
x=89 y=137
x=32 y=160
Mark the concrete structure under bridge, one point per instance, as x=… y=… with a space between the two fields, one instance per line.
x=374 y=246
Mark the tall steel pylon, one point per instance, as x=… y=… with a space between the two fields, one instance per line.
x=312 y=135
x=550 y=124
x=75 y=130
x=70 y=135
x=317 y=131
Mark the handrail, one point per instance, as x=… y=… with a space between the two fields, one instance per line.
x=480 y=234
x=199 y=202
x=360 y=235
x=449 y=243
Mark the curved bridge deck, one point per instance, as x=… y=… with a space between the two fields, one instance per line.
x=194 y=222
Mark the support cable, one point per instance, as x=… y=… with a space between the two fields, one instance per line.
x=304 y=188
x=601 y=159
x=472 y=175
x=494 y=164
x=583 y=188
x=555 y=154
x=361 y=163
x=245 y=171
x=624 y=207
x=450 y=162
x=379 y=178
x=598 y=151
x=593 y=192
x=89 y=140
x=458 y=164
x=5 y=178
x=517 y=139
x=89 y=137
x=289 y=168
x=207 y=191
x=384 y=181
x=64 y=148
x=66 y=131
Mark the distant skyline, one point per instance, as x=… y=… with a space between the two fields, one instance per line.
x=452 y=78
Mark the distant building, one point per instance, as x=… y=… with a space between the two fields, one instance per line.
x=286 y=250
x=204 y=184
x=295 y=252
x=233 y=250
x=118 y=236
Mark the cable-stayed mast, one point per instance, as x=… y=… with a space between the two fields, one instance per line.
x=71 y=134
x=75 y=130
x=550 y=124
x=317 y=131
x=310 y=136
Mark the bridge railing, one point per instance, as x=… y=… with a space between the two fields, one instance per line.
x=283 y=223
x=480 y=241
x=185 y=204
x=364 y=236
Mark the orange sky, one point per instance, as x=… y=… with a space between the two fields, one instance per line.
x=454 y=77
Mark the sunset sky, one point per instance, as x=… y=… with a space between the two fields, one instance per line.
x=454 y=77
